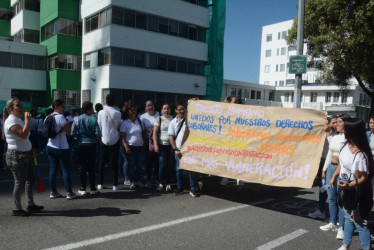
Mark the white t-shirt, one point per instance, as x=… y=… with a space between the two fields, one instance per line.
x=109 y=134
x=173 y=129
x=165 y=122
x=335 y=146
x=60 y=141
x=351 y=164
x=372 y=143
x=133 y=132
x=14 y=141
x=149 y=120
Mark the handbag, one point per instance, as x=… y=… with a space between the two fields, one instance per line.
x=348 y=198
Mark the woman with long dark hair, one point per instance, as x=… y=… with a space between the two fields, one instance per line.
x=18 y=156
x=356 y=168
x=329 y=168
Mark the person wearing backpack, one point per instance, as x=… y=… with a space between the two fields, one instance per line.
x=355 y=171
x=58 y=152
x=176 y=132
x=86 y=132
x=109 y=120
x=162 y=146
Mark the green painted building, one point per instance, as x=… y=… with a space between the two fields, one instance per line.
x=6 y=14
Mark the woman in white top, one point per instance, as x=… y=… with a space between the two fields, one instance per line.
x=18 y=156
x=331 y=163
x=132 y=131
x=356 y=168
x=163 y=147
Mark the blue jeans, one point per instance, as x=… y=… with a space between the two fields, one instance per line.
x=165 y=164
x=332 y=193
x=179 y=175
x=59 y=157
x=136 y=163
x=362 y=230
x=122 y=163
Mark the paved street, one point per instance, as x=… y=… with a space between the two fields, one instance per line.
x=224 y=217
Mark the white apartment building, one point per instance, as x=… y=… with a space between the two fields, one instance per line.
x=140 y=50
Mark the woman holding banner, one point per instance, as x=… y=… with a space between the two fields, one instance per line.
x=18 y=156
x=331 y=163
x=356 y=168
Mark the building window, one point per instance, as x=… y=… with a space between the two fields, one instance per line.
x=246 y=93
x=63 y=61
x=344 y=97
x=281 y=67
x=276 y=68
x=16 y=60
x=281 y=83
x=6 y=14
x=253 y=94
x=313 y=97
x=233 y=91
x=292 y=93
x=336 y=97
x=267 y=69
x=69 y=97
x=292 y=48
x=278 y=52
x=258 y=95
x=283 y=51
x=287 y=97
x=63 y=26
x=86 y=95
x=26 y=35
x=279 y=35
x=328 y=96
x=268 y=38
x=33 y=5
x=268 y=53
x=284 y=34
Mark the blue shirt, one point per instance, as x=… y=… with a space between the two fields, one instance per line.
x=85 y=129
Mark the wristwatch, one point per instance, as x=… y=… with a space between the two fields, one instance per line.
x=176 y=149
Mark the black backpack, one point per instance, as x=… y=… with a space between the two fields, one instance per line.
x=49 y=126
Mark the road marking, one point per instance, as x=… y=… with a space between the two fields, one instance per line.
x=150 y=228
x=280 y=241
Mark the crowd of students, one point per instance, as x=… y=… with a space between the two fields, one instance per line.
x=149 y=144
x=348 y=165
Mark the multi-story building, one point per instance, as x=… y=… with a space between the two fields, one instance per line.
x=137 y=50
x=140 y=50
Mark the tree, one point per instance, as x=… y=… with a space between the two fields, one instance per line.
x=341 y=33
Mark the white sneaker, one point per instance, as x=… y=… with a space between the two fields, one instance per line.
x=99 y=187
x=168 y=188
x=119 y=187
x=343 y=248
x=224 y=181
x=239 y=182
x=160 y=188
x=139 y=184
x=329 y=227
x=132 y=186
x=127 y=183
x=317 y=214
x=340 y=234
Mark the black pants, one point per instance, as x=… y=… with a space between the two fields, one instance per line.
x=152 y=165
x=87 y=160
x=111 y=153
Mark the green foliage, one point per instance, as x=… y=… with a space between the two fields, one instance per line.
x=341 y=32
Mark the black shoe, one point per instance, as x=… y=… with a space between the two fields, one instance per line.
x=21 y=213
x=34 y=208
x=194 y=193
x=178 y=192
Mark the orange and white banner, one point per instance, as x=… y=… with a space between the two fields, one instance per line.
x=267 y=145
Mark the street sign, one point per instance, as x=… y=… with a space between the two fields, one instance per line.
x=297 y=65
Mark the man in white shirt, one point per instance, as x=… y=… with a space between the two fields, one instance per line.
x=109 y=120
x=148 y=119
x=176 y=132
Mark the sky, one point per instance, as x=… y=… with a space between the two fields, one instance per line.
x=242 y=45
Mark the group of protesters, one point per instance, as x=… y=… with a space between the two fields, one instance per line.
x=348 y=166
x=133 y=144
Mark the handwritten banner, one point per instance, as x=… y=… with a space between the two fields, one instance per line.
x=267 y=145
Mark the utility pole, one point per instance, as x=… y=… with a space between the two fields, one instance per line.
x=299 y=51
